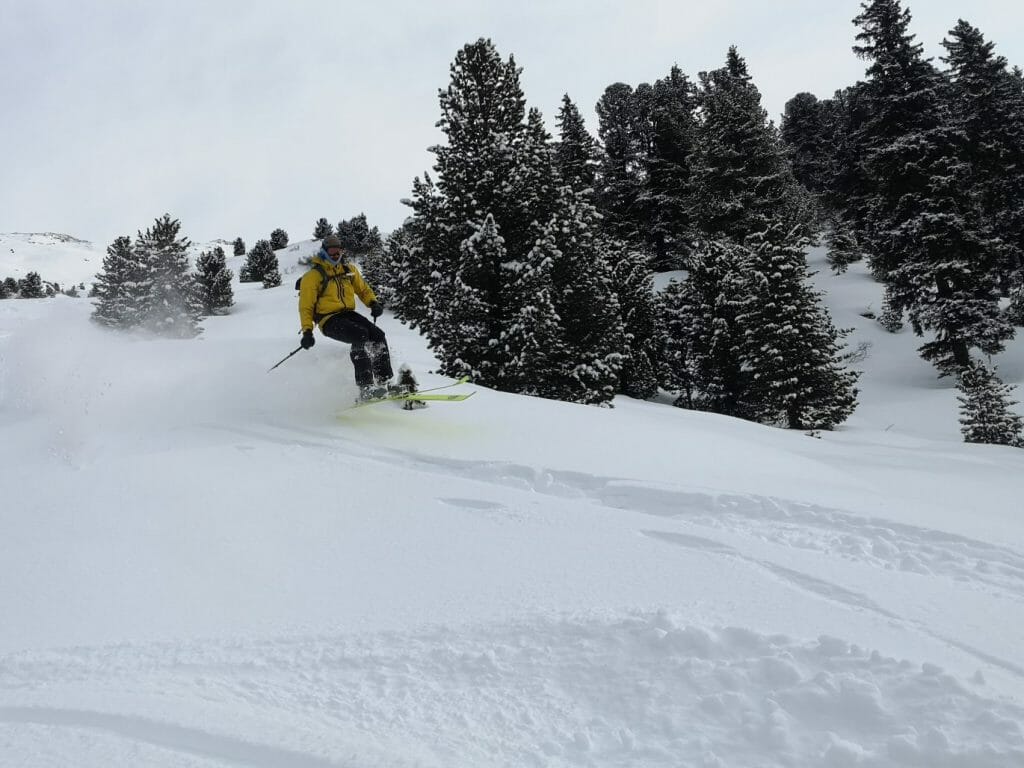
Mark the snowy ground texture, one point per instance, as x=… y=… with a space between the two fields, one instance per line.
x=203 y=564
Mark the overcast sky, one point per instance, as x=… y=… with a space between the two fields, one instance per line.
x=241 y=117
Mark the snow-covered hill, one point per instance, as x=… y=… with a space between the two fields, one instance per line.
x=205 y=564
x=63 y=259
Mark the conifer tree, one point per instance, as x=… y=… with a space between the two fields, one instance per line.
x=278 y=239
x=623 y=162
x=532 y=339
x=4 y=291
x=704 y=338
x=213 y=282
x=741 y=176
x=377 y=271
x=322 y=229
x=790 y=348
x=678 y=373
x=536 y=185
x=924 y=232
x=667 y=196
x=358 y=238
x=988 y=109
x=466 y=319
x=272 y=277
x=891 y=317
x=643 y=363
x=842 y=245
x=576 y=153
x=260 y=261
x=497 y=227
x=169 y=304
x=11 y=285
x=845 y=187
x=117 y=286
x=986 y=410
x=408 y=281
x=239 y=246
x=488 y=167
x=804 y=134
x=31 y=286
x=585 y=301
x=1015 y=309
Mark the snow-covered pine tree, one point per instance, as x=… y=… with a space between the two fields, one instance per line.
x=406 y=280
x=790 y=349
x=742 y=179
x=841 y=243
x=278 y=239
x=621 y=178
x=492 y=164
x=31 y=287
x=667 y=196
x=804 y=135
x=466 y=322
x=845 y=186
x=1015 y=309
x=239 y=247
x=585 y=300
x=678 y=374
x=535 y=186
x=988 y=108
x=117 y=286
x=357 y=237
x=986 y=410
x=259 y=262
x=272 y=277
x=531 y=341
x=170 y=306
x=4 y=291
x=377 y=271
x=643 y=362
x=576 y=153
x=891 y=316
x=213 y=282
x=924 y=232
x=322 y=229
x=704 y=340
x=11 y=285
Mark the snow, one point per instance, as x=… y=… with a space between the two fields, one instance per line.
x=205 y=564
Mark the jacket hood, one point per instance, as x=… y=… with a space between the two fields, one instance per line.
x=325 y=260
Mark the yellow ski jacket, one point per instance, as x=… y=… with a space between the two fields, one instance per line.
x=344 y=283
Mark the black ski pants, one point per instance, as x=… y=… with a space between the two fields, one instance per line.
x=369 y=354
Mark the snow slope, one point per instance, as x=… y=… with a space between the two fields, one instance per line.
x=203 y=564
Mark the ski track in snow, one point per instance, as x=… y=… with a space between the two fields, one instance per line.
x=880 y=543
x=646 y=690
x=633 y=691
x=995 y=570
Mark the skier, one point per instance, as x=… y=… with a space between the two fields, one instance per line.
x=327 y=298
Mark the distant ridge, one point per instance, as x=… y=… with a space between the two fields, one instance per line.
x=60 y=237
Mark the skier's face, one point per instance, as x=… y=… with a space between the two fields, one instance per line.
x=334 y=254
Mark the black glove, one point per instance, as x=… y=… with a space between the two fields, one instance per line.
x=307 y=339
x=377 y=308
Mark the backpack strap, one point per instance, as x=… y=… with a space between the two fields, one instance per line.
x=317 y=317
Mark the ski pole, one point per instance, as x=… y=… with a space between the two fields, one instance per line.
x=298 y=349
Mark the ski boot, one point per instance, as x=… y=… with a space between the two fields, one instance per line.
x=407 y=385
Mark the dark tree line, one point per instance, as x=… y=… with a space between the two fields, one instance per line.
x=31 y=286
x=919 y=168
x=148 y=284
x=528 y=259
